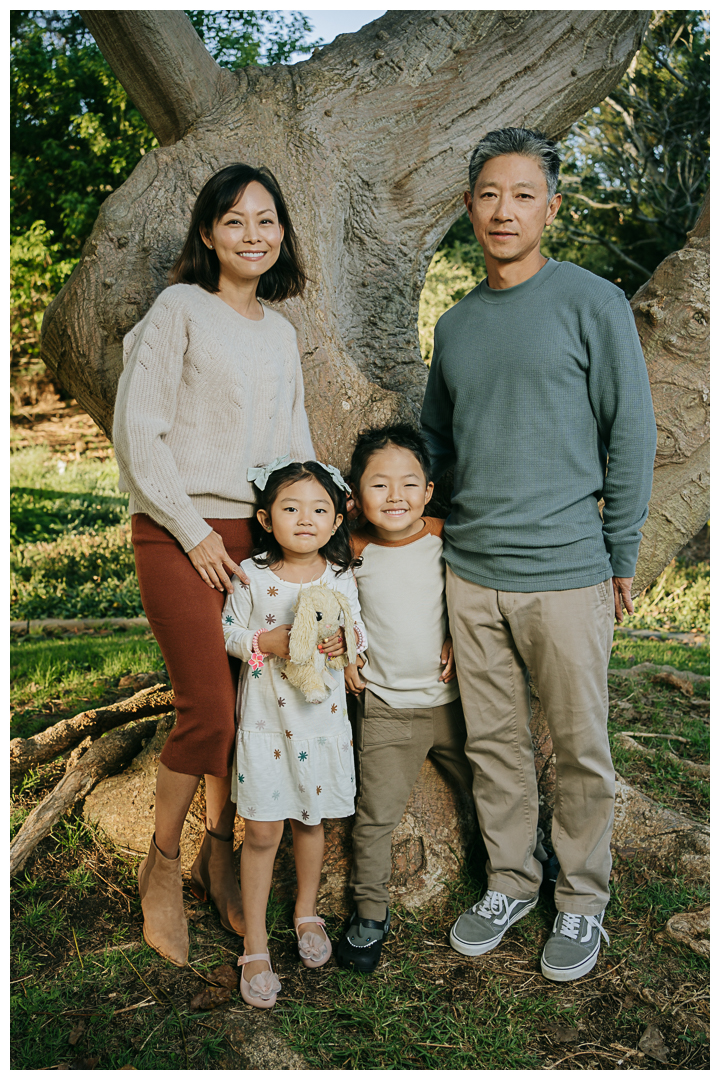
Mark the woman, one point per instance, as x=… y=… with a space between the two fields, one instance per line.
x=212 y=384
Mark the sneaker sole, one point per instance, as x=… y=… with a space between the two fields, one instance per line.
x=568 y=974
x=473 y=948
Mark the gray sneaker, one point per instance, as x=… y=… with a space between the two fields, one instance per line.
x=572 y=948
x=481 y=927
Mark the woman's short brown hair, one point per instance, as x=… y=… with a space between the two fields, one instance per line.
x=198 y=265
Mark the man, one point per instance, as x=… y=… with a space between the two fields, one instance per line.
x=538 y=395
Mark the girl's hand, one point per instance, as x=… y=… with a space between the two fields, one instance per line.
x=276 y=641
x=209 y=558
x=353 y=682
x=447 y=659
x=334 y=646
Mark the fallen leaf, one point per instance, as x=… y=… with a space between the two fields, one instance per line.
x=653 y=1044
x=123 y=1067
x=225 y=976
x=210 y=998
x=77 y=1032
x=561 y=1034
x=683 y=685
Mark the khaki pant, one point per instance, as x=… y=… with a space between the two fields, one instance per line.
x=563 y=640
x=392 y=745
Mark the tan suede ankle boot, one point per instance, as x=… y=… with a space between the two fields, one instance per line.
x=165 y=926
x=212 y=877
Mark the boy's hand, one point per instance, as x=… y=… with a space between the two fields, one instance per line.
x=276 y=641
x=353 y=682
x=447 y=659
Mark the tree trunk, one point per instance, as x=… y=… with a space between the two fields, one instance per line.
x=672 y=313
x=370 y=140
x=104 y=757
x=26 y=754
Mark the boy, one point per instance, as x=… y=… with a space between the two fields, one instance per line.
x=408 y=698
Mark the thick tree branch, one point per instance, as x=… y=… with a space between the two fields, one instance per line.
x=163 y=65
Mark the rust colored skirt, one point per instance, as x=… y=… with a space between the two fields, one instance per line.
x=185 y=616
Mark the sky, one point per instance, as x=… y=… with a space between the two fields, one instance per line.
x=328 y=24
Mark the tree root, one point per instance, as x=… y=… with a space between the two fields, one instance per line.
x=26 y=754
x=104 y=757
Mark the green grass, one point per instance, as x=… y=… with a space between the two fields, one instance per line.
x=679 y=600
x=36 y=513
x=64 y=927
x=71 y=551
x=56 y=677
x=627 y=652
x=35 y=467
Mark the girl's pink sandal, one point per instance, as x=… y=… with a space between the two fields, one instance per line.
x=314 y=950
x=263 y=989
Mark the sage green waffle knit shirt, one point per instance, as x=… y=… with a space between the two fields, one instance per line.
x=532 y=391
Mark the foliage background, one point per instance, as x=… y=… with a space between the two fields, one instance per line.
x=633 y=175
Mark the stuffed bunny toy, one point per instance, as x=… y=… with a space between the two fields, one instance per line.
x=319 y=612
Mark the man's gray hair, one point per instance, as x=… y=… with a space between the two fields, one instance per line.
x=517 y=141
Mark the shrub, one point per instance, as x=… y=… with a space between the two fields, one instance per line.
x=91 y=575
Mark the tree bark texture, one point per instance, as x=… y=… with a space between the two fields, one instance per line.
x=672 y=314
x=370 y=140
x=26 y=754
x=104 y=757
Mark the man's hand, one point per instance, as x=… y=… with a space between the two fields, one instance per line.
x=353 y=682
x=276 y=641
x=621 y=590
x=447 y=659
x=210 y=558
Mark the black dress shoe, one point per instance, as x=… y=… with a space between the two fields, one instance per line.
x=359 y=947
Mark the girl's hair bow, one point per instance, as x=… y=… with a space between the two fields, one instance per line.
x=337 y=477
x=259 y=476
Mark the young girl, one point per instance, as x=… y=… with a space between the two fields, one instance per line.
x=294 y=760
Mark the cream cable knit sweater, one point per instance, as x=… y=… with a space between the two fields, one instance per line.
x=204 y=394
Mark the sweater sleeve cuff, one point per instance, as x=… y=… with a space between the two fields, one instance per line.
x=623 y=559
x=190 y=530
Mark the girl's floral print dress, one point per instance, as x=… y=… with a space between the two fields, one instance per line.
x=294 y=760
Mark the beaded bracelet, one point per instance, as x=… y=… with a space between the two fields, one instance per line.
x=255 y=648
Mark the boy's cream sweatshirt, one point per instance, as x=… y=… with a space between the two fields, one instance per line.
x=401 y=586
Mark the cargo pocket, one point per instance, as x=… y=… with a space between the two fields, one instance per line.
x=381 y=725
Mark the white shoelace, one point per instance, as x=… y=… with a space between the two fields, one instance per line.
x=570 y=927
x=495 y=904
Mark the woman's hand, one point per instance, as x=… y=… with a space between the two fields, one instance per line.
x=209 y=558
x=276 y=641
x=353 y=682
x=447 y=659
